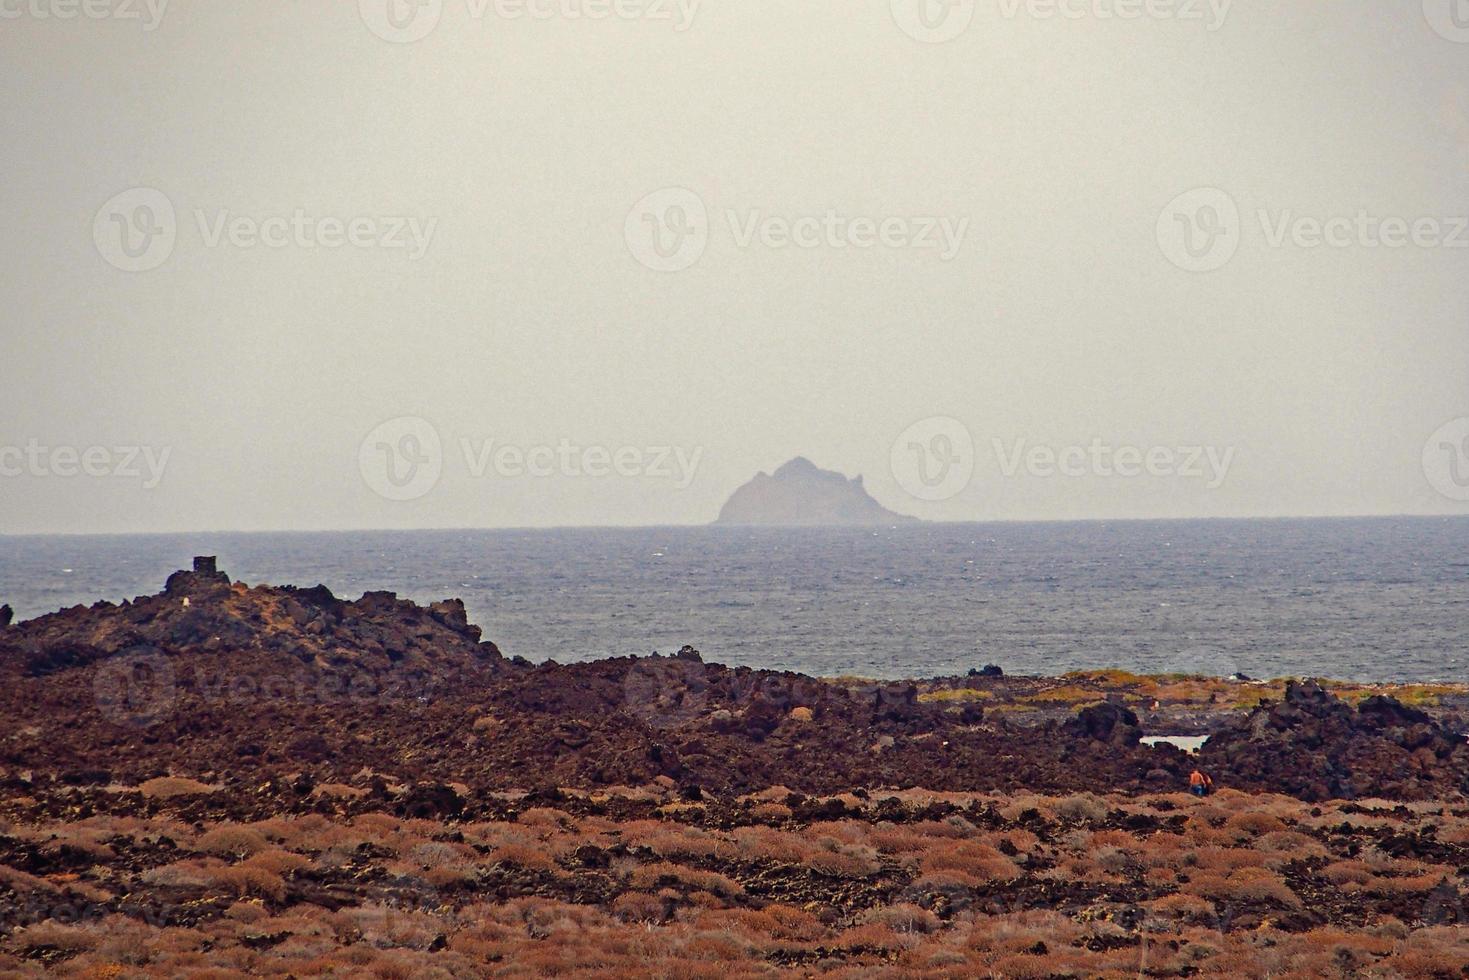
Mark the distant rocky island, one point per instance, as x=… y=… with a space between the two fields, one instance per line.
x=801 y=493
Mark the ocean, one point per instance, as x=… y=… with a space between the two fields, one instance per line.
x=1356 y=599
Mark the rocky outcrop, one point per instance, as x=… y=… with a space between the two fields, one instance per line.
x=279 y=683
x=1105 y=722
x=1315 y=746
x=802 y=494
x=202 y=613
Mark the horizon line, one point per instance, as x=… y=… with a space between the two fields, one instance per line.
x=919 y=522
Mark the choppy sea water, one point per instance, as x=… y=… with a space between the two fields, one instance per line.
x=1372 y=599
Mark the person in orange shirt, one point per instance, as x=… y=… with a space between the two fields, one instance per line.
x=1199 y=784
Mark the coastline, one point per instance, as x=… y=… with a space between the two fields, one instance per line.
x=274 y=779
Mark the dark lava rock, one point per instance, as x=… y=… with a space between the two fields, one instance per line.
x=268 y=683
x=1313 y=745
x=205 y=577
x=431 y=802
x=7 y=616
x=1105 y=722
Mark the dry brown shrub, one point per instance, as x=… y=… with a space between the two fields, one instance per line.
x=650 y=876
x=1291 y=844
x=1252 y=823
x=78 y=843
x=1189 y=908
x=638 y=907
x=1083 y=807
x=1024 y=841
x=1024 y=966
x=1160 y=876
x=1227 y=858
x=1113 y=860
x=379 y=824
x=771 y=812
x=190 y=872
x=1112 y=838
x=245 y=881
x=278 y=862
x=246 y=912
x=524 y=856
x=232 y=841
x=687 y=842
x=1406 y=885
x=903 y=918
x=765 y=844
x=1244 y=885
x=171 y=787
x=842 y=831
x=55 y=935
x=898 y=840
x=547 y=819
x=972 y=858
x=844 y=861
x=875 y=935
x=717 y=945
x=1348 y=874
x=795 y=924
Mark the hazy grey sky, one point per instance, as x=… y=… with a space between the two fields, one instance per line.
x=872 y=244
